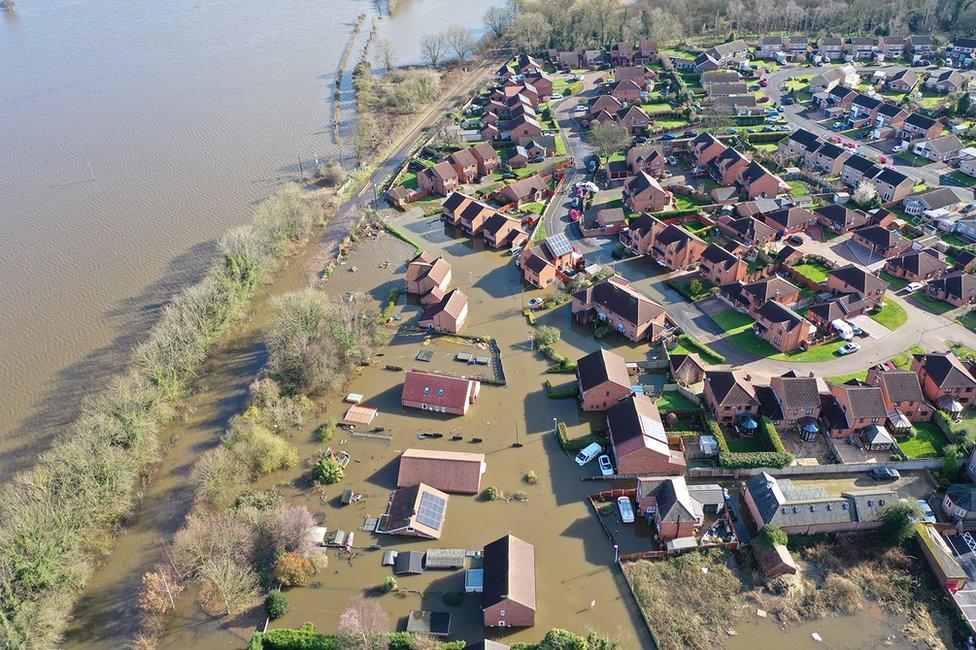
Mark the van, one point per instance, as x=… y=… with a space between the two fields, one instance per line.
x=588 y=453
x=842 y=328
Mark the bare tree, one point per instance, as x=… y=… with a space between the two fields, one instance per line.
x=228 y=587
x=160 y=588
x=461 y=41
x=292 y=528
x=498 y=19
x=531 y=32
x=386 y=53
x=433 y=47
x=364 y=622
x=608 y=137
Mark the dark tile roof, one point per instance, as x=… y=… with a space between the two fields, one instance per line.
x=890 y=110
x=718 y=255
x=768 y=404
x=830 y=150
x=918 y=263
x=806 y=138
x=602 y=366
x=621 y=300
x=728 y=388
x=946 y=370
x=790 y=217
x=901 y=385
x=770 y=288
x=865 y=401
x=776 y=312
x=862 y=280
x=509 y=572
x=920 y=121
x=891 y=177
x=957 y=284
x=841 y=216
x=797 y=392
x=963 y=495
x=751 y=229
x=860 y=163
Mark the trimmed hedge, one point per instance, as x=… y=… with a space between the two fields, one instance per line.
x=770 y=435
x=760 y=138
x=753 y=459
x=569 y=393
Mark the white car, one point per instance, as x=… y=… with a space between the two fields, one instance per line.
x=626 y=510
x=606 y=467
x=556 y=96
x=848 y=348
x=913 y=287
x=927 y=515
x=588 y=453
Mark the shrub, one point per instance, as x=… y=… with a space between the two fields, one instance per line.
x=770 y=536
x=572 y=392
x=331 y=174
x=390 y=584
x=601 y=331
x=275 y=604
x=294 y=569
x=328 y=471
x=325 y=431
x=899 y=521
x=546 y=336
x=491 y=493
x=769 y=435
x=605 y=509
x=531 y=478
x=453 y=599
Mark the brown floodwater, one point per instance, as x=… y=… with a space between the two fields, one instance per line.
x=133 y=135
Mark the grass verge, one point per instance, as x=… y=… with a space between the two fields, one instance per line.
x=891 y=315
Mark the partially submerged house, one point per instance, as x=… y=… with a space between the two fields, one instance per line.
x=638 y=440
x=508 y=595
x=447 y=315
x=603 y=380
x=415 y=511
x=439 y=393
x=447 y=471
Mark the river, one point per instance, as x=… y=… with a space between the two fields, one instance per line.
x=134 y=134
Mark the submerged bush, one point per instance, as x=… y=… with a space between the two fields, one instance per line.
x=328 y=471
x=276 y=605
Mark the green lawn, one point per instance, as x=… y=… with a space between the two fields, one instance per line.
x=540 y=232
x=932 y=100
x=537 y=207
x=738 y=444
x=799 y=188
x=690 y=345
x=657 y=108
x=824 y=352
x=895 y=284
x=409 y=179
x=963 y=351
x=903 y=361
x=670 y=124
x=686 y=202
x=673 y=400
x=840 y=379
x=733 y=321
x=891 y=315
x=955 y=240
x=927 y=443
x=908 y=158
x=812 y=270
x=965 y=180
x=968 y=320
x=922 y=299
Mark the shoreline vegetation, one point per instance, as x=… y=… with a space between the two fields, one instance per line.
x=59 y=518
x=340 y=71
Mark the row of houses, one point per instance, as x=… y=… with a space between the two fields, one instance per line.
x=730 y=168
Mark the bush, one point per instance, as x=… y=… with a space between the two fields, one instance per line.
x=899 y=521
x=390 y=584
x=328 y=471
x=770 y=536
x=331 y=174
x=572 y=392
x=601 y=331
x=325 y=431
x=453 y=599
x=275 y=604
x=491 y=493
x=531 y=478
x=755 y=459
x=605 y=509
x=769 y=435
x=546 y=336
x=294 y=569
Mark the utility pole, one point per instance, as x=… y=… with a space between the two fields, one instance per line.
x=301 y=170
x=517 y=443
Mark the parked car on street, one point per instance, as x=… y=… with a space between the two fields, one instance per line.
x=668 y=136
x=626 y=510
x=884 y=474
x=691 y=133
x=606 y=467
x=556 y=96
x=848 y=348
x=788 y=101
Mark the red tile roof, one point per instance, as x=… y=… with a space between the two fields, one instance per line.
x=438 y=390
x=448 y=471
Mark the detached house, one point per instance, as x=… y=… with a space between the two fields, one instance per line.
x=603 y=380
x=793 y=401
x=427 y=273
x=430 y=391
x=508 y=596
x=639 y=235
x=448 y=315
x=628 y=312
x=719 y=266
x=754 y=295
x=903 y=396
x=796 y=47
x=622 y=54
x=892 y=47
x=856 y=280
x=642 y=193
x=939 y=198
x=726 y=167
x=627 y=91
x=526 y=190
x=648 y=158
x=962 y=51
x=676 y=510
x=686 y=369
x=729 y=393
x=946 y=381
x=921 y=46
x=635 y=119
x=488 y=159
x=839 y=218
x=782 y=327
x=749 y=230
x=903 y=81
x=605 y=104
x=920 y=127
x=956 y=288
x=787 y=221
x=465 y=164
x=939 y=149
x=540 y=263
x=638 y=440
x=946 y=83
x=440 y=179
x=676 y=248
x=882 y=242
x=415 y=511
x=917 y=266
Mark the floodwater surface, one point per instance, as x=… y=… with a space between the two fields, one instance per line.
x=133 y=135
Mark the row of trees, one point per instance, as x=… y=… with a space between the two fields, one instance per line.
x=457 y=41
x=61 y=516
x=543 y=24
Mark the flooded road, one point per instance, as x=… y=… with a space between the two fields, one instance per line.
x=132 y=138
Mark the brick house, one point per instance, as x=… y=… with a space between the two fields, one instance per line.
x=448 y=315
x=756 y=180
x=748 y=230
x=856 y=169
x=605 y=104
x=426 y=273
x=789 y=220
x=754 y=295
x=920 y=127
x=852 y=407
x=447 y=471
x=676 y=509
x=729 y=393
x=902 y=392
x=526 y=190
x=676 y=248
x=686 y=369
x=508 y=596
x=846 y=305
x=719 y=266
x=828 y=158
x=839 y=218
x=635 y=119
x=555 y=252
x=946 y=82
x=627 y=92
x=857 y=280
x=639 y=235
x=956 y=288
x=903 y=81
x=782 y=327
x=524 y=126
x=622 y=53
x=603 y=380
x=726 y=167
x=401 y=517
x=917 y=266
x=639 y=74
x=791 y=401
x=647 y=158
x=642 y=193
x=465 y=164
x=892 y=185
x=488 y=159
x=452 y=207
x=881 y=241
x=831 y=48
x=537 y=271
x=945 y=378
x=638 y=440
x=630 y=313
x=473 y=216
x=500 y=231
x=798 y=143
x=430 y=391
x=705 y=148
x=440 y=179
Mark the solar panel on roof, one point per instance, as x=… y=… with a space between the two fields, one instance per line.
x=431 y=511
x=559 y=245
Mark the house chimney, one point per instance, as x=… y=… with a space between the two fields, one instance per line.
x=748 y=377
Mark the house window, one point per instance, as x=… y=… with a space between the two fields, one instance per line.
x=501 y=612
x=426 y=390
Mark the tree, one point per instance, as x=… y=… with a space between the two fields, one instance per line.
x=964 y=105
x=770 y=536
x=389 y=584
x=160 y=588
x=559 y=639
x=530 y=32
x=227 y=588
x=950 y=460
x=368 y=136
x=386 y=53
x=331 y=174
x=546 y=336
x=866 y=195
x=220 y=478
x=608 y=137
x=497 y=19
x=364 y=622
x=328 y=471
x=899 y=521
x=460 y=40
x=292 y=525
x=276 y=604
x=294 y=569
x=695 y=286
x=432 y=49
